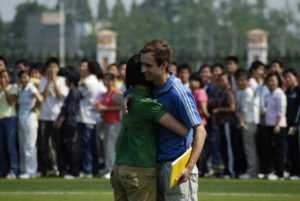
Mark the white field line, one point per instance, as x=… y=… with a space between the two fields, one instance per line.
x=110 y=193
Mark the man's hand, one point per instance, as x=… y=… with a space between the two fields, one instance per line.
x=184 y=175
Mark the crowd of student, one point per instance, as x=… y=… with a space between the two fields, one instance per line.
x=63 y=122
x=58 y=121
x=252 y=118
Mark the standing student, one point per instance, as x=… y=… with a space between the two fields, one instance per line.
x=184 y=72
x=231 y=66
x=66 y=122
x=275 y=126
x=27 y=126
x=54 y=90
x=88 y=117
x=201 y=99
x=9 y=167
x=247 y=121
x=110 y=114
x=293 y=121
x=226 y=119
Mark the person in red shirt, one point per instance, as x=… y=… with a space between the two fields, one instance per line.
x=110 y=114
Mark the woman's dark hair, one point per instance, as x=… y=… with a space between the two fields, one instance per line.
x=242 y=73
x=280 y=63
x=196 y=77
x=110 y=76
x=255 y=65
x=134 y=73
x=95 y=68
x=23 y=72
x=203 y=67
x=218 y=65
x=276 y=75
x=226 y=75
x=72 y=76
x=292 y=71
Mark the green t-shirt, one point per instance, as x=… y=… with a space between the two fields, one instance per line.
x=137 y=145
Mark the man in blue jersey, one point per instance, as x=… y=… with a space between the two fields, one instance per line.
x=178 y=101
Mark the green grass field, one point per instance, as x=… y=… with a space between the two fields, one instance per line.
x=55 y=189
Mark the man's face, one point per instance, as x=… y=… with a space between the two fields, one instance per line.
x=216 y=72
x=123 y=71
x=276 y=68
x=184 y=75
x=53 y=68
x=205 y=75
x=114 y=70
x=223 y=81
x=242 y=82
x=83 y=68
x=231 y=66
x=21 y=67
x=4 y=78
x=2 y=65
x=150 y=68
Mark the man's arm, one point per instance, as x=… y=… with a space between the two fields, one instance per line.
x=197 y=145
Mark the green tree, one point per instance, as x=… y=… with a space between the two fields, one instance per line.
x=83 y=11
x=102 y=10
x=18 y=26
x=2 y=36
x=120 y=23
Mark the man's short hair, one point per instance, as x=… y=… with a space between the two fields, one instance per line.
x=235 y=59
x=242 y=73
x=161 y=50
x=280 y=63
x=24 y=62
x=52 y=60
x=184 y=66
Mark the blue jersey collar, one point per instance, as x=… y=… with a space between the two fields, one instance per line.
x=166 y=87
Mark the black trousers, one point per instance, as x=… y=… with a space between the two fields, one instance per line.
x=293 y=153
x=275 y=149
x=48 y=144
x=229 y=149
x=69 y=150
x=263 y=150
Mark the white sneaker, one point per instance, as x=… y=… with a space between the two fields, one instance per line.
x=261 y=176
x=295 y=178
x=272 y=177
x=11 y=175
x=24 y=176
x=68 y=176
x=107 y=176
x=83 y=175
x=245 y=176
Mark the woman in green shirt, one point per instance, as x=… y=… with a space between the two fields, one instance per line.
x=134 y=174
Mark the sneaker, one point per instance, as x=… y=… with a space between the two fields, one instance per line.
x=84 y=175
x=261 y=176
x=11 y=175
x=68 y=176
x=106 y=176
x=286 y=174
x=24 y=176
x=272 y=177
x=246 y=176
x=295 y=178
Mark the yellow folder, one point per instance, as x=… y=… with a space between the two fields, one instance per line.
x=178 y=165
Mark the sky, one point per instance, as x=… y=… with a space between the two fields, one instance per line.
x=7 y=8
